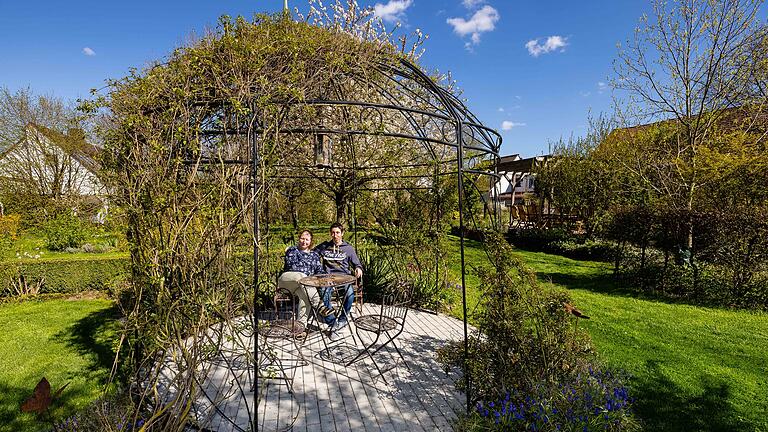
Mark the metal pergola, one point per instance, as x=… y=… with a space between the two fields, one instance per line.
x=402 y=107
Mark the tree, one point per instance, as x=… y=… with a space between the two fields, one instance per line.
x=688 y=63
x=575 y=181
x=43 y=151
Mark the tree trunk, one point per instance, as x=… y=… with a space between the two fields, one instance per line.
x=294 y=215
x=689 y=238
x=340 y=200
x=664 y=271
x=642 y=266
x=617 y=261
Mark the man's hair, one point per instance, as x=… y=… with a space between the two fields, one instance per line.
x=337 y=225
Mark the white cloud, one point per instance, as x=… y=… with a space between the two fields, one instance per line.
x=392 y=11
x=601 y=87
x=484 y=20
x=89 y=52
x=585 y=93
x=508 y=125
x=501 y=109
x=551 y=44
x=471 y=4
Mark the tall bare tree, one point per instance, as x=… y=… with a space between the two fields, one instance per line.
x=688 y=62
x=42 y=146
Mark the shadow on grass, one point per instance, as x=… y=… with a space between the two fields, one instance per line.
x=600 y=283
x=605 y=283
x=93 y=337
x=664 y=406
x=11 y=398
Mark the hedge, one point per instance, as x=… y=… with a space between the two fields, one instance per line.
x=65 y=276
x=560 y=242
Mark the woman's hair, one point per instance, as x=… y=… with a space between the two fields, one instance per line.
x=305 y=231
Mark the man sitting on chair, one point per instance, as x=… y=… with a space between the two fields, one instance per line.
x=301 y=261
x=340 y=257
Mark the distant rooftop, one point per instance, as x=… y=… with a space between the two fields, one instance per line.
x=513 y=163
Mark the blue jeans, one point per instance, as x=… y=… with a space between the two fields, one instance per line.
x=349 y=300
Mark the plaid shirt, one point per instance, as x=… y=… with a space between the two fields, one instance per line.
x=305 y=262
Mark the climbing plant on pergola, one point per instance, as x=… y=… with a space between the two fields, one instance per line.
x=199 y=144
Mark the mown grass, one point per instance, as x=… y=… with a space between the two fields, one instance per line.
x=474 y=257
x=693 y=368
x=31 y=245
x=65 y=341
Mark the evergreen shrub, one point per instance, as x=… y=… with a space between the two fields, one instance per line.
x=527 y=351
x=536 y=239
x=586 y=250
x=561 y=242
x=378 y=275
x=64 y=231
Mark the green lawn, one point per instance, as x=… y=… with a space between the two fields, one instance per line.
x=66 y=341
x=694 y=368
x=474 y=256
x=31 y=246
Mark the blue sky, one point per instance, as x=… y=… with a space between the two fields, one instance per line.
x=531 y=70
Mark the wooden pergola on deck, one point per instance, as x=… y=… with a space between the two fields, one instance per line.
x=327 y=396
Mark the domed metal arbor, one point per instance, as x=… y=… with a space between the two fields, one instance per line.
x=381 y=126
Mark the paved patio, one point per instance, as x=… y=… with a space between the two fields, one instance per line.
x=331 y=397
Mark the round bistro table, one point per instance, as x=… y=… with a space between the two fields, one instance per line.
x=334 y=282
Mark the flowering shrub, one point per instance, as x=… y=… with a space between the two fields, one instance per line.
x=9 y=226
x=594 y=400
x=9 y=230
x=111 y=414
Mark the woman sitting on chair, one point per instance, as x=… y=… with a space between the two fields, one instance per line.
x=302 y=261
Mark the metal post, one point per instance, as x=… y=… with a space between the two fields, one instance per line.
x=256 y=240
x=460 y=171
x=495 y=195
x=354 y=217
x=436 y=227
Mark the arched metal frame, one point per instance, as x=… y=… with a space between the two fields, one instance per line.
x=411 y=107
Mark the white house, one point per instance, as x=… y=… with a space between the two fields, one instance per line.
x=51 y=163
x=517 y=178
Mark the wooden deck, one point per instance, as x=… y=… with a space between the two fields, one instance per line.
x=327 y=396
